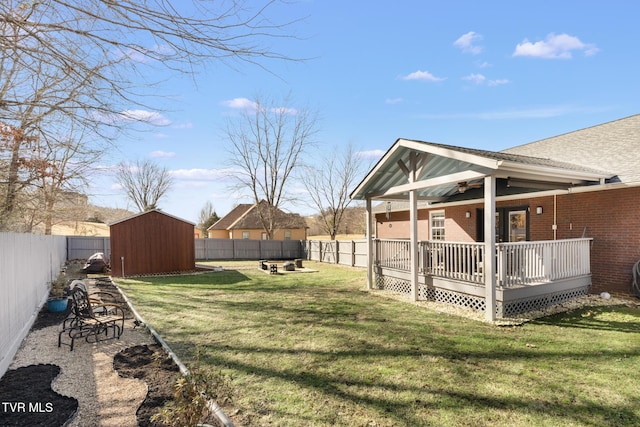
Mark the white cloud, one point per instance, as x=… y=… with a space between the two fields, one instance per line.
x=161 y=135
x=241 y=104
x=475 y=78
x=467 y=43
x=143 y=54
x=392 y=101
x=247 y=104
x=370 y=154
x=143 y=116
x=162 y=154
x=479 y=79
x=498 y=82
x=201 y=174
x=422 y=75
x=140 y=116
x=555 y=46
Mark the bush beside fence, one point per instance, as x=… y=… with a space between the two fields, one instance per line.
x=28 y=263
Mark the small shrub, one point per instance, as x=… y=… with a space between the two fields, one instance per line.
x=59 y=286
x=189 y=406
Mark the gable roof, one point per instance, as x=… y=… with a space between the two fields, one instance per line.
x=613 y=146
x=246 y=216
x=229 y=219
x=440 y=168
x=147 y=213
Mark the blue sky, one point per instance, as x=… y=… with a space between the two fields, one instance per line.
x=481 y=74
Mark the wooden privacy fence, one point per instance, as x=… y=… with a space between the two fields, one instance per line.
x=230 y=249
x=28 y=263
x=82 y=247
x=345 y=252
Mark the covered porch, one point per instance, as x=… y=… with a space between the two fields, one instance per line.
x=501 y=278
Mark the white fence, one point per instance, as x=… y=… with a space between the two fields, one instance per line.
x=28 y=263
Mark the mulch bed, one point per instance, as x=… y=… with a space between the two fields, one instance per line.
x=26 y=397
x=151 y=364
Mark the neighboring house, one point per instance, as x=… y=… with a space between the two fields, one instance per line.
x=565 y=219
x=151 y=242
x=243 y=222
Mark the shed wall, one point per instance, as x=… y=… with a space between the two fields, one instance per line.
x=152 y=243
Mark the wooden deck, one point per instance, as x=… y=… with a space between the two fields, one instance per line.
x=530 y=275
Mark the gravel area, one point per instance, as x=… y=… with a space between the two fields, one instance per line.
x=87 y=374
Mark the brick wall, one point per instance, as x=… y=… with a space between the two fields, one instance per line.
x=611 y=218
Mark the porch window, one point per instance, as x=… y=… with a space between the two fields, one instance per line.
x=264 y=235
x=245 y=235
x=287 y=235
x=436 y=222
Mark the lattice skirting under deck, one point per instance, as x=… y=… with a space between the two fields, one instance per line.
x=513 y=308
x=510 y=309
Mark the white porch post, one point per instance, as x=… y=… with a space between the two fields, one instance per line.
x=413 y=230
x=370 y=260
x=490 y=247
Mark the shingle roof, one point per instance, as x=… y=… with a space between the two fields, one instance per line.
x=525 y=158
x=245 y=216
x=227 y=221
x=613 y=146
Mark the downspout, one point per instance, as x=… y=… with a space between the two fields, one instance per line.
x=555 y=218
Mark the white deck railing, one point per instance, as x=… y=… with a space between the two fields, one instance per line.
x=521 y=263
x=525 y=263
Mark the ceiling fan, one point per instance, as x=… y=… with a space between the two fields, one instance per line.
x=465 y=185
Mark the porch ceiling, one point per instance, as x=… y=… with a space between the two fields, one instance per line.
x=438 y=171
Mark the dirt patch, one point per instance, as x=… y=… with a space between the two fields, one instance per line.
x=152 y=365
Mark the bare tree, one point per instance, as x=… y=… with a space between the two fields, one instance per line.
x=68 y=165
x=329 y=182
x=207 y=217
x=87 y=64
x=266 y=146
x=144 y=182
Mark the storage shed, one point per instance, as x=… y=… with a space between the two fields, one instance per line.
x=151 y=242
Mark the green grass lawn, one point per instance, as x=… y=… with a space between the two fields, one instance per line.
x=316 y=349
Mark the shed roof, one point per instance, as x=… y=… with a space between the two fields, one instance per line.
x=148 y=212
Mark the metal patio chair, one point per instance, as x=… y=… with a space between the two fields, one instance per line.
x=92 y=320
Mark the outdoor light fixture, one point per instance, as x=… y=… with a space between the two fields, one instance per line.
x=539 y=210
x=467 y=214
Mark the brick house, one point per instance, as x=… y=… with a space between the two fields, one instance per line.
x=243 y=222
x=577 y=189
